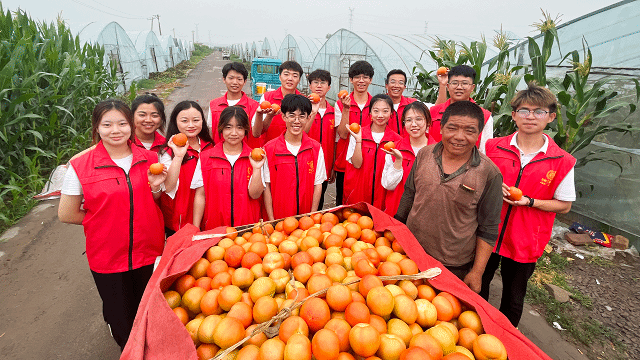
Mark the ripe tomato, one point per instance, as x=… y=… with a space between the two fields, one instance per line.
x=355 y=128
x=389 y=145
x=265 y=105
x=156 y=169
x=515 y=194
x=442 y=70
x=257 y=154
x=275 y=107
x=180 y=139
x=342 y=94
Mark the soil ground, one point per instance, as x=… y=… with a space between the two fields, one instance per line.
x=51 y=309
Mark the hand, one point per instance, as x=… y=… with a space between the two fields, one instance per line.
x=332 y=177
x=443 y=79
x=395 y=153
x=474 y=281
x=346 y=101
x=178 y=151
x=357 y=136
x=315 y=107
x=268 y=111
x=524 y=201
x=258 y=164
x=155 y=181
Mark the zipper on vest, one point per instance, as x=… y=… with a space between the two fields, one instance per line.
x=130 y=220
x=506 y=216
x=297 y=187
x=375 y=165
x=118 y=181
x=321 y=128
x=232 y=181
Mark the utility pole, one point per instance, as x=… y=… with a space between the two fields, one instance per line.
x=174 y=32
x=193 y=36
x=197 y=33
x=351 y=18
x=159 y=28
x=151 y=18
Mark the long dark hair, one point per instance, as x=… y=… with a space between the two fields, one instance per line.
x=104 y=107
x=231 y=112
x=157 y=103
x=172 y=128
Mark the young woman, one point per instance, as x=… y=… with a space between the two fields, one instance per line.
x=366 y=157
x=148 y=119
x=177 y=201
x=398 y=162
x=122 y=222
x=227 y=181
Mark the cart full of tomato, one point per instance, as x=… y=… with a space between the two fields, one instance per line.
x=248 y=279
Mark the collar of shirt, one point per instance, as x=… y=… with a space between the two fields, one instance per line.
x=474 y=161
x=543 y=149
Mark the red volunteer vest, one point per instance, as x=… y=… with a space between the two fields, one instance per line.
x=364 y=184
x=158 y=142
x=408 y=157
x=226 y=187
x=249 y=105
x=277 y=125
x=539 y=179
x=323 y=131
x=292 y=175
x=395 y=122
x=123 y=225
x=436 y=116
x=179 y=211
x=356 y=115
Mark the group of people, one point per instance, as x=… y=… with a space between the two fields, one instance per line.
x=445 y=177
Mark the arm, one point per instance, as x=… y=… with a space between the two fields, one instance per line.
x=553 y=205
x=69 y=210
x=474 y=277
x=173 y=172
x=317 y=192
x=355 y=142
x=256 y=186
x=406 y=202
x=392 y=172
x=312 y=117
x=442 y=89
x=155 y=182
x=268 y=201
x=343 y=130
x=198 y=206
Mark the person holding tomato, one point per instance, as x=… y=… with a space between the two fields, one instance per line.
x=227 y=180
x=398 y=161
x=365 y=155
x=111 y=192
x=187 y=118
x=530 y=160
x=268 y=122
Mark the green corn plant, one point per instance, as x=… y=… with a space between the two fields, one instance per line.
x=49 y=84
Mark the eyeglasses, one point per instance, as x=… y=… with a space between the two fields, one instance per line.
x=418 y=120
x=316 y=82
x=293 y=117
x=393 y=82
x=463 y=85
x=361 y=77
x=538 y=113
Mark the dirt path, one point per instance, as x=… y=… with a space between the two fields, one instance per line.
x=49 y=305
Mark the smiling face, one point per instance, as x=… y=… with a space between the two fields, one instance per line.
x=147 y=120
x=415 y=124
x=233 y=132
x=295 y=122
x=380 y=114
x=459 y=135
x=289 y=79
x=234 y=82
x=460 y=88
x=114 y=129
x=189 y=122
x=395 y=87
x=360 y=83
x=531 y=124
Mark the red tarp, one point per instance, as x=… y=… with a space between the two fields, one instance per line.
x=158 y=334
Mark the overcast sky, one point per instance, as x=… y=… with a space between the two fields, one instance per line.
x=233 y=21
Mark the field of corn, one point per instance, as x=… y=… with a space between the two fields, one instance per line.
x=49 y=83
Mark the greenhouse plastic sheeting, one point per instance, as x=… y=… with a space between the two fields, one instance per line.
x=303 y=50
x=170 y=48
x=150 y=51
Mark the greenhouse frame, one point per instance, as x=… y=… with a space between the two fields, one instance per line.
x=302 y=50
x=150 y=51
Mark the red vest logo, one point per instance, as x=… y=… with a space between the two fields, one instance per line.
x=310 y=163
x=551 y=174
x=249 y=171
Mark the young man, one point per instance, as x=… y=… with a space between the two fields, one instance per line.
x=234 y=76
x=531 y=161
x=322 y=125
x=351 y=109
x=395 y=84
x=460 y=86
x=459 y=190
x=294 y=164
x=267 y=122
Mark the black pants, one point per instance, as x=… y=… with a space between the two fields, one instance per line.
x=461 y=271
x=339 y=187
x=515 y=277
x=121 y=294
x=325 y=184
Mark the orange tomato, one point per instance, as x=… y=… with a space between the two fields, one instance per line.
x=355 y=128
x=442 y=70
x=515 y=194
x=156 y=169
x=257 y=154
x=389 y=145
x=265 y=105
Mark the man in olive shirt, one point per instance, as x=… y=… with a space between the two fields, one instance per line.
x=453 y=196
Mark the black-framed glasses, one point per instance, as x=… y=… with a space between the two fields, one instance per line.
x=463 y=84
x=538 y=113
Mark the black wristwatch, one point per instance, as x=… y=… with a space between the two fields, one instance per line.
x=530 y=201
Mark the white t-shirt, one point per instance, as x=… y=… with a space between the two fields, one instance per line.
x=487 y=133
x=321 y=173
x=566 y=190
x=322 y=111
x=338 y=116
x=210 y=118
x=197 y=180
x=147 y=145
x=391 y=176
x=377 y=137
x=71 y=183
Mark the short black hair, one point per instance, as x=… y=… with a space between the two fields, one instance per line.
x=319 y=74
x=155 y=101
x=360 y=67
x=464 y=108
x=293 y=102
x=395 y=72
x=381 y=97
x=290 y=65
x=235 y=66
x=418 y=107
x=463 y=70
